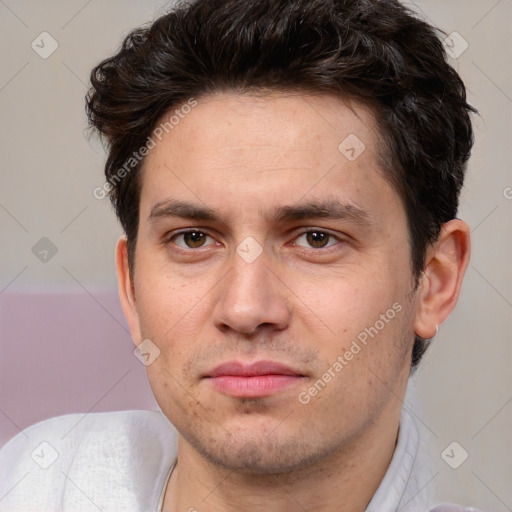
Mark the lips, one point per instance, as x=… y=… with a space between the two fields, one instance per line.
x=251 y=370
x=259 y=379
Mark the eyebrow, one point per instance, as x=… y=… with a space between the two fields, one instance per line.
x=328 y=209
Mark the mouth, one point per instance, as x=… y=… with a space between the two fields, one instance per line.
x=256 y=380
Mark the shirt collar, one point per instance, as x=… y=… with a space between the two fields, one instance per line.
x=404 y=487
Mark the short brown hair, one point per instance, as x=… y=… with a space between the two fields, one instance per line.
x=376 y=51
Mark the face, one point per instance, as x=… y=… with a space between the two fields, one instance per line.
x=279 y=289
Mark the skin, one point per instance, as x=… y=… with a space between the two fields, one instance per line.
x=301 y=302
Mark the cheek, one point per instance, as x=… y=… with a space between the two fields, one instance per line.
x=368 y=323
x=175 y=397
x=347 y=302
x=168 y=303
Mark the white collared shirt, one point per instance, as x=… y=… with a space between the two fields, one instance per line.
x=121 y=461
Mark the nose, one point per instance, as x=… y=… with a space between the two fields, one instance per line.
x=252 y=297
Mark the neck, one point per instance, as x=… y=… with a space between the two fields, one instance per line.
x=345 y=481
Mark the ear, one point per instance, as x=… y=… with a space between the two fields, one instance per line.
x=126 y=290
x=446 y=262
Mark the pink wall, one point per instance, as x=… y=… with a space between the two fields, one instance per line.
x=63 y=353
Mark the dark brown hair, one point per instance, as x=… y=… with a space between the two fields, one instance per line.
x=376 y=51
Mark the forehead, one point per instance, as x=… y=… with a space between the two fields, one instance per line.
x=260 y=122
x=239 y=149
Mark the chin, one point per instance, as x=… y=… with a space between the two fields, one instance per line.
x=258 y=451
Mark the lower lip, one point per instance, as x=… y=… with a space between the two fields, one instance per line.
x=253 y=387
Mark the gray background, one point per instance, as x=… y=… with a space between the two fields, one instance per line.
x=48 y=173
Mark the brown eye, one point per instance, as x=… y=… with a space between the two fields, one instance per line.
x=317 y=239
x=190 y=239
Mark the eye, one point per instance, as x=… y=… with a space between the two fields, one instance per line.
x=317 y=239
x=191 y=239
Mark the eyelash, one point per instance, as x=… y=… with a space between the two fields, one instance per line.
x=194 y=230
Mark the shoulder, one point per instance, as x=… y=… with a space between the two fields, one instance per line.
x=452 y=508
x=44 y=462
x=69 y=430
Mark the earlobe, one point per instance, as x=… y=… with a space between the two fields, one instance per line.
x=126 y=289
x=446 y=263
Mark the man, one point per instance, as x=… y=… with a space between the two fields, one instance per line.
x=287 y=175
